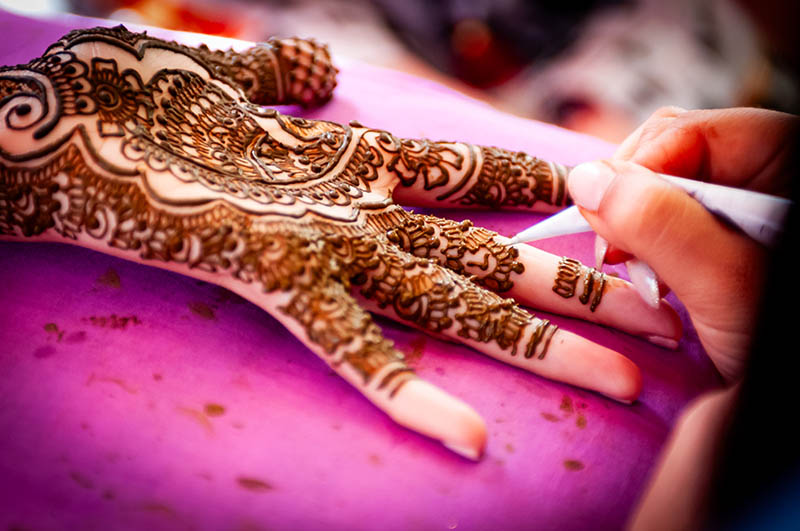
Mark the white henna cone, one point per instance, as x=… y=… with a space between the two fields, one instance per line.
x=424 y=408
x=645 y=281
x=758 y=215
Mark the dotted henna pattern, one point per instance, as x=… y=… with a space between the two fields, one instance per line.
x=164 y=151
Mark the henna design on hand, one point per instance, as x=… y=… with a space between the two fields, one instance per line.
x=569 y=270
x=464 y=175
x=461 y=247
x=594 y=282
x=160 y=152
x=516 y=180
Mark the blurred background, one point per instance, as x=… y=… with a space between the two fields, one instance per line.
x=595 y=66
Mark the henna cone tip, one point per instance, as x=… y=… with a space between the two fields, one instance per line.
x=568 y=221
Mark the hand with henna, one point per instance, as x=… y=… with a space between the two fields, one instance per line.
x=164 y=155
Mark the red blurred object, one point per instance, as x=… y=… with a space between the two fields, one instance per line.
x=480 y=57
x=211 y=19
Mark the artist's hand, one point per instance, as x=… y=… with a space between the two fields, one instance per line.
x=714 y=270
x=677 y=495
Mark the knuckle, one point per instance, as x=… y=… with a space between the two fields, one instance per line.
x=647 y=216
x=667 y=111
x=654 y=128
x=661 y=211
x=663 y=120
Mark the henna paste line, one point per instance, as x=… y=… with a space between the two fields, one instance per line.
x=567 y=275
x=598 y=293
x=449 y=243
x=509 y=179
x=588 y=284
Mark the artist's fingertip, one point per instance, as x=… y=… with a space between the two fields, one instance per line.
x=669 y=111
x=645 y=281
x=600 y=250
x=588 y=182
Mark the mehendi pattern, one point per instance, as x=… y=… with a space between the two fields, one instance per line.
x=516 y=179
x=461 y=247
x=178 y=164
x=567 y=276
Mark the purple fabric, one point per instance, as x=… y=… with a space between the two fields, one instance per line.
x=131 y=397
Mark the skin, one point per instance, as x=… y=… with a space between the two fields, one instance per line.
x=164 y=155
x=642 y=216
x=714 y=146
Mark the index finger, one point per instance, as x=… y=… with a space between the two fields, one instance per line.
x=743 y=147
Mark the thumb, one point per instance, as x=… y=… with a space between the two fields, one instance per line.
x=643 y=214
x=712 y=268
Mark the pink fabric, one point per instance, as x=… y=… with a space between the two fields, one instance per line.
x=131 y=397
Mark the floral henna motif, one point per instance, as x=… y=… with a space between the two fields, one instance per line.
x=516 y=179
x=432 y=162
x=594 y=282
x=159 y=151
x=334 y=321
x=279 y=71
x=461 y=247
x=280 y=257
x=435 y=298
x=465 y=175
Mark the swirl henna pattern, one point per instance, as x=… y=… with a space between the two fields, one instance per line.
x=161 y=153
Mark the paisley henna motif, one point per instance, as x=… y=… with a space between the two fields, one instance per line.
x=160 y=151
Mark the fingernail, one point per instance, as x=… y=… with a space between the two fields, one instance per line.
x=617 y=399
x=665 y=342
x=587 y=183
x=470 y=453
x=645 y=281
x=675 y=110
x=600 y=250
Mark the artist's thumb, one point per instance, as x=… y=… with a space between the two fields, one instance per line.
x=714 y=270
